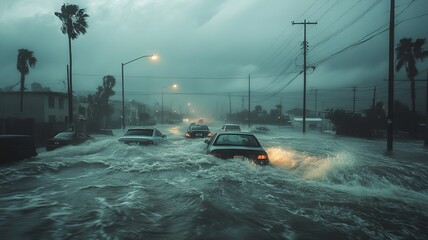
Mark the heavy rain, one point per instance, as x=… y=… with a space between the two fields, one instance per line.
x=198 y=119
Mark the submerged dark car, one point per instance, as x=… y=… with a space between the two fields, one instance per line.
x=237 y=145
x=67 y=138
x=197 y=131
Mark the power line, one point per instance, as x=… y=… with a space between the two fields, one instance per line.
x=174 y=77
x=348 y=25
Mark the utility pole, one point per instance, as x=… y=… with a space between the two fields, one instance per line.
x=353 y=100
x=316 y=102
x=390 y=117
x=230 y=109
x=249 y=100
x=242 y=110
x=374 y=98
x=426 y=116
x=305 y=45
x=373 y=115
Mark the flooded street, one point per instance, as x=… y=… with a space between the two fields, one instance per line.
x=318 y=186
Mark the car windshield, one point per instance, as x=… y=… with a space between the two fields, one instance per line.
x=237 y=140
x=199 y=127
x=67 y=135
x=139 y=132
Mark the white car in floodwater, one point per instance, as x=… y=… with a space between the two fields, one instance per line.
x=228 y=127
x=143 y=136
x=259 y=129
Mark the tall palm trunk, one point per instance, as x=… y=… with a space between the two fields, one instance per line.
x=70 y=86
x=413 y=100
x=22 y=91
x=412 y=66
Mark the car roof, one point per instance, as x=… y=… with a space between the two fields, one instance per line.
x=192 y=125
x=142 y=129
x=235 y=133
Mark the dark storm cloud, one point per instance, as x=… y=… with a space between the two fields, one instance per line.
x=208 y=46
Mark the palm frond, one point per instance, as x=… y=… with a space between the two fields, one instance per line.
x=25 y=59
x=418 y=48
x=73 y=20
x=399 y=65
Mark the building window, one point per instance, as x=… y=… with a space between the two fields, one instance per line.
x=52 y=118
x=51 y=101
x=61 y=103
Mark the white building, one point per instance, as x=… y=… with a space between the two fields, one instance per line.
x=321 y=124
x=43 y=107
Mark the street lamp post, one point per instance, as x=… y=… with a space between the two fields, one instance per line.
x=162 y=105
x=152 y=56
x=173 y=86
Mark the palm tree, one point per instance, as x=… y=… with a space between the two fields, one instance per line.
x=25 y=59
x=73 y=24
x=407 y=54
x=108 y=83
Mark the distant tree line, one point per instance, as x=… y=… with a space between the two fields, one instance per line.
x=260 y=116
x=371 y=123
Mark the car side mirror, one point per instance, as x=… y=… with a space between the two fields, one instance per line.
x=206 y=141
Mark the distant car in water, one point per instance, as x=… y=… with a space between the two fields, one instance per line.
x=228 y=127
x=142 y=136
x=197 y=131
x=259 y=129
x=237 y=145
x=67 y=138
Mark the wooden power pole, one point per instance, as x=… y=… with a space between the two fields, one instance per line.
x=249 y=100
x=305 y=46
x=426 y=116
x=390 y=117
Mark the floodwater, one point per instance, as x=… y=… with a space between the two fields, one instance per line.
x=318 y=186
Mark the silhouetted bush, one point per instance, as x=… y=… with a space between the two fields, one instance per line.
x=350 y=124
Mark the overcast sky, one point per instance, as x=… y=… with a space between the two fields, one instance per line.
x=210 y=47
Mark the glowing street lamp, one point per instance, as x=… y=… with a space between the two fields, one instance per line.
x=153 y=57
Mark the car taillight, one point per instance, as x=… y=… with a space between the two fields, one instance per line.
x=262 y=157
x=187 y=135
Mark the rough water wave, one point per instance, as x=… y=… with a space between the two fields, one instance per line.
x=318 y=186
